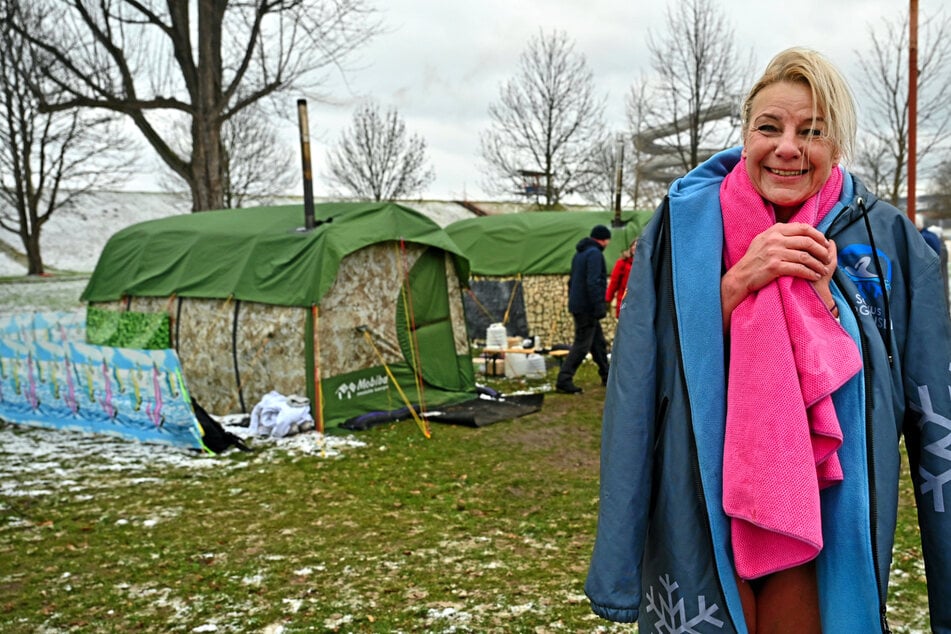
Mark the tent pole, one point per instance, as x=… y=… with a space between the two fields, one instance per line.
x=318 y=395
x=912 y=108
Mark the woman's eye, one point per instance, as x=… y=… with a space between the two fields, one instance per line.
x=767 y=128
x=813 y=132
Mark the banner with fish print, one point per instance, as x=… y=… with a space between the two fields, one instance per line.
x=49 y=377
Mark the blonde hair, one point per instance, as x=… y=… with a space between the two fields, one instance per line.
x=831 y=95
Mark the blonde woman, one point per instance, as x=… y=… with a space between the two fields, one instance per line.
x=791 y=327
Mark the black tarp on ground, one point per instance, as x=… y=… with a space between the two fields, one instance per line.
x=478 y=412
x=485 y=411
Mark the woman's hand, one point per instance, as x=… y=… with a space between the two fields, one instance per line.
x=784 y=250
x=822 y=284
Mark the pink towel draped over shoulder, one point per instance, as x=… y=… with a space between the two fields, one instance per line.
x=787 y=355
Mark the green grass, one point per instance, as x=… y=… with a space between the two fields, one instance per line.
x=472 y=530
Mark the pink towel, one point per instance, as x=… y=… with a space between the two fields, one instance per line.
x=787 y=355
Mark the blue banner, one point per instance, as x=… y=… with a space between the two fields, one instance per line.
x=49 y=377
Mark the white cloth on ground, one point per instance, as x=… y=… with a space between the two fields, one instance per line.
x=274 y=416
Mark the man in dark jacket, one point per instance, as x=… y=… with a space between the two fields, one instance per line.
x=586 y=290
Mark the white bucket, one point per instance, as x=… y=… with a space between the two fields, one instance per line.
x=496 y=337
x=515 y=365
x=535 y=366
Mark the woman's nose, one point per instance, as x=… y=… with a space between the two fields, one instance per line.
x=788 y=144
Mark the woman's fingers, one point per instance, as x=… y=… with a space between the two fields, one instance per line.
x=795 y=249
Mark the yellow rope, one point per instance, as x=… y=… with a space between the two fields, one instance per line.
x=421 y=423
x=416 y=361
x=518 y=281
x=479 y=304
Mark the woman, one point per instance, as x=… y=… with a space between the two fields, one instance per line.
x=791 y=327
x=617 y=285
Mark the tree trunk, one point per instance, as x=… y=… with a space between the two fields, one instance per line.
x=207 y=182
x=207 y=164
x=31 y=243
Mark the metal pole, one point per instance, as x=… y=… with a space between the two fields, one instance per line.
x=305 y=164
x=912 y=106
x=618 y=178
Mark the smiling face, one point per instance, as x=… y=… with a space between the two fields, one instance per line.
x=788 y=153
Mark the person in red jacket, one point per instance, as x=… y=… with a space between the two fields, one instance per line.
x=617 y=285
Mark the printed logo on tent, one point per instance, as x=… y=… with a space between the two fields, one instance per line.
x=346 y=390
x=361 y=387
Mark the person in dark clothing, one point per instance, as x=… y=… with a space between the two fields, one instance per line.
x=932 y=239
x=587 y=287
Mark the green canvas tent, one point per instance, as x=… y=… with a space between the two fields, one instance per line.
x=369 y=297
x=520 y=263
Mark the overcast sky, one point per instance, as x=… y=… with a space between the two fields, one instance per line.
x=441 y=62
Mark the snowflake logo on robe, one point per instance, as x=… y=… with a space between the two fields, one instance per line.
x=671 y=611
x=934 y=483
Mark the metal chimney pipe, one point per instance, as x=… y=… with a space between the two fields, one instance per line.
x=305 y=165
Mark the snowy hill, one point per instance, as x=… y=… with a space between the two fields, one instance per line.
x=74 y=237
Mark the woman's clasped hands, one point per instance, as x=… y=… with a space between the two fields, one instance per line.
x=792 y=249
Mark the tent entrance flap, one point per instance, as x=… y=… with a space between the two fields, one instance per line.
x=425 y=328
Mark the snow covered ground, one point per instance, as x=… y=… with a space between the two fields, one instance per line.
x=39 y=462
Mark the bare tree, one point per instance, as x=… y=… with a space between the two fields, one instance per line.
x=597 y=176
x=598 y=180
x=645 y=184
x=940 y=191
x=547 y=120
x=376 y=159
x=884 y=86
x=874 y=163
x=257 y=164
x=47 y=160
x=151 y=60
x=700 y=73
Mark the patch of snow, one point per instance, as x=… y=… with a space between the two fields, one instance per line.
x=335 y=622
x=294 y=605
x=38 y=462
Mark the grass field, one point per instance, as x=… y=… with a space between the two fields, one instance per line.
x=472 y=530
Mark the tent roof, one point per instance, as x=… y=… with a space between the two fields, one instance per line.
x=538 y=242
x=259 y=254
